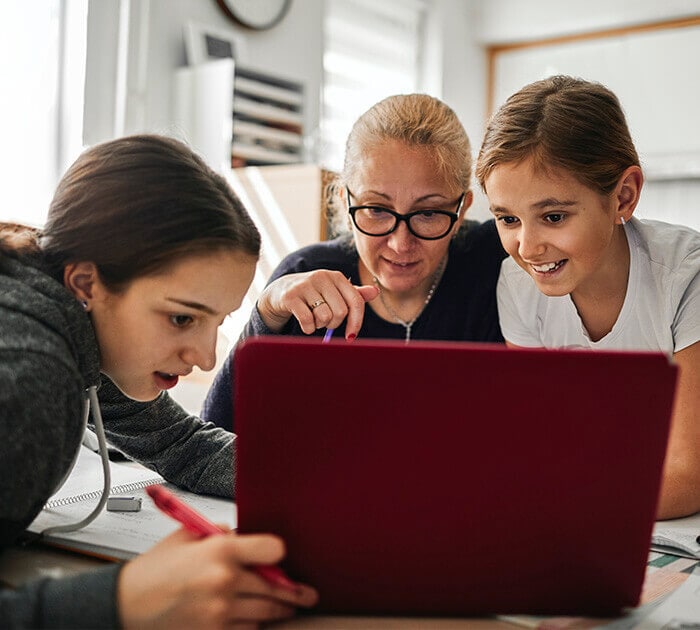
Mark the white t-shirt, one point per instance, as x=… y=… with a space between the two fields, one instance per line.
x=661 y=311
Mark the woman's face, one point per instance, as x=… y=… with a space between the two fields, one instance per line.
x=163 y=325
x=401 y=178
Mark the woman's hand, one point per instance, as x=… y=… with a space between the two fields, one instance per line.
x=318 y=299
x=190 y=582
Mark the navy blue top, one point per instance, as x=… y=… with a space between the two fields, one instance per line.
x=463 y=307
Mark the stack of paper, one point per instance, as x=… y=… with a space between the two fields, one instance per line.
x=679 y=536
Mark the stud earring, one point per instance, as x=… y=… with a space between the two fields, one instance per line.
x=622 y=221
x=84 y=304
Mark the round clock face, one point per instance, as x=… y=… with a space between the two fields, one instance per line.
x=257 y=14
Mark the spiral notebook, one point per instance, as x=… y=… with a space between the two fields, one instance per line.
x=85 y=481
x=116 y=535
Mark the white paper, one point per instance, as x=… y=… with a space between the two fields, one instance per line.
x=680 y=611
x=678 y=536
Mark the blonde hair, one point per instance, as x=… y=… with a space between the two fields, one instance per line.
x=18 y=239
x=417 y=120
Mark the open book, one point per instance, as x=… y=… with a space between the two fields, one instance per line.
x=117 y=535
x=678 y=537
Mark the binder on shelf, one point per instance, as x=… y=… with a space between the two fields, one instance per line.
x=258 y=154
x=235 y=116
x=249 y=130
x=268 y=115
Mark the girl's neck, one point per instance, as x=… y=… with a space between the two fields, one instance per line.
x=600 y=300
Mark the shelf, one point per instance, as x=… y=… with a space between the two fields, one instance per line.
x=261 y=155
x=236 y=116
x=273 y=135
x=268 y=119
x=242 y=107
x=255 y=88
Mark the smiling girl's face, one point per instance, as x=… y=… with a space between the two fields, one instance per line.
x=558 y=230
x=162 y=325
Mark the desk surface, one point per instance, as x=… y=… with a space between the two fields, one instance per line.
x=665 y=573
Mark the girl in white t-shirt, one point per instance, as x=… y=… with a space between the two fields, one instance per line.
x=563 y=178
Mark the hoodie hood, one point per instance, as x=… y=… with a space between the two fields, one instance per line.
x=38 y=314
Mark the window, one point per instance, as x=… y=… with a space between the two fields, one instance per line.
x=42 y=53
x=371 y=50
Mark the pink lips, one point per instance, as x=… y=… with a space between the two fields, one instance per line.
x=165 y=381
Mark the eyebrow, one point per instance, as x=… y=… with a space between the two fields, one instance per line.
x=423 y=198
x=553 y=201
x=193 y=305
x=549 y=202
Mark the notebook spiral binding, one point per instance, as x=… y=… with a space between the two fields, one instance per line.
x=96 y=494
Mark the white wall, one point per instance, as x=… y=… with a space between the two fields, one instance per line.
x=508 y=21
x=465 y=28
x=459 y=31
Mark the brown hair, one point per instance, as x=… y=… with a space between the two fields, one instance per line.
x=561 y=122
x=16 y=238
x=135 y=204
x=418 y=120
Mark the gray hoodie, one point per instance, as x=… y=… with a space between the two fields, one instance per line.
x=48 y=358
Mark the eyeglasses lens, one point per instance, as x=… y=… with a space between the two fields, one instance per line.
x=427 y=224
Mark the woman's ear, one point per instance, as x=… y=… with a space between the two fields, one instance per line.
x=83 y=280
x=627 y=193
x=467 y=203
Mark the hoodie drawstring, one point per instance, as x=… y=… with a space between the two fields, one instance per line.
x=93 y=407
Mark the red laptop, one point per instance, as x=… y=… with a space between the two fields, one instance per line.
x=453 y=479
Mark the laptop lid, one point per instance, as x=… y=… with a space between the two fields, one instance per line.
x=452 y=478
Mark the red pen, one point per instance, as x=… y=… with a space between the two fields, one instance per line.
x=192 y=520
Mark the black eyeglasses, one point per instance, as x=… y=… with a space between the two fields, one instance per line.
x=428 y=224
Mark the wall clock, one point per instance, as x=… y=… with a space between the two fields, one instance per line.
x=255 y=14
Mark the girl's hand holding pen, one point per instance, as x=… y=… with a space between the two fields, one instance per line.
x=187 y=581
x=318 y=299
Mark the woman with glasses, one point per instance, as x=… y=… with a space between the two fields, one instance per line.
x=406 y=264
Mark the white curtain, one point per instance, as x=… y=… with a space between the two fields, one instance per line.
x=371 y=50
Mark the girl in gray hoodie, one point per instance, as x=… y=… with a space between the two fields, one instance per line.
x=144 y=253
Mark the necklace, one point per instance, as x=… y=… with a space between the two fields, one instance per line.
x=409 y=325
